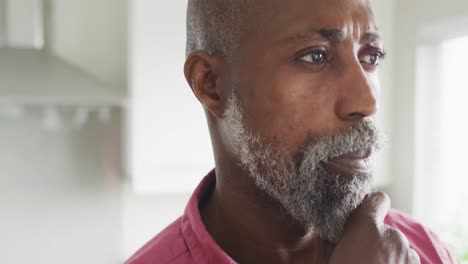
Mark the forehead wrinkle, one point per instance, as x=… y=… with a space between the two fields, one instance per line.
x=352 y=18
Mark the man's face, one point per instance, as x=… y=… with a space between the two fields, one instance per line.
x=307 y=66
x=299 y=117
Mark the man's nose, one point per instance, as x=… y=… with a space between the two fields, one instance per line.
x=357 y=97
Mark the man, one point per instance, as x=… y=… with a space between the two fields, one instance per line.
x=289 y=89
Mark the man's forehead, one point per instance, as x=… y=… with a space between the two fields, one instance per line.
x=300 y=19
x=348 y=4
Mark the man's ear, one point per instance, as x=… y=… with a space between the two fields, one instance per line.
x=202 y=72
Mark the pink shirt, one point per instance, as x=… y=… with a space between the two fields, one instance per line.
x=186 y=240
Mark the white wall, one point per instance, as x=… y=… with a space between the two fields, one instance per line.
x=170 y=148
x=59 y=192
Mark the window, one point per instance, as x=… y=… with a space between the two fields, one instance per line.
x=442 y=141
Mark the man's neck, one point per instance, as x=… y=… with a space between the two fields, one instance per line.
x=253 y=228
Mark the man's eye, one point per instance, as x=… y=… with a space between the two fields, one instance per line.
x=373 y=59
x=315 y=57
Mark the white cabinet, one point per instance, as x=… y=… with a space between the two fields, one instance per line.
x=21 y=23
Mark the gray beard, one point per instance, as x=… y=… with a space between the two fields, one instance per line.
x=312 y=196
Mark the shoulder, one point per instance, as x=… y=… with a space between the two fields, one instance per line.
x=168 y=247
x=423 y=240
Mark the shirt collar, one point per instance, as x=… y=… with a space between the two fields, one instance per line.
x=199 y=242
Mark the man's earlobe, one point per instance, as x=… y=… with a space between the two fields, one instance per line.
x=202 y=71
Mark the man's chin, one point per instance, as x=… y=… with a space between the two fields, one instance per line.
x=335 y=197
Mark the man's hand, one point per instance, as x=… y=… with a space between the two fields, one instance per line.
x=366 y=239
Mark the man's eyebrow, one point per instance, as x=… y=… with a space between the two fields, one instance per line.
x=370 y=37
x=335 y=35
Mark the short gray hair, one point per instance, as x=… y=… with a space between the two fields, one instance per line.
x=214 y=26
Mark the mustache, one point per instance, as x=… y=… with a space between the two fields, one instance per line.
x=361 y=137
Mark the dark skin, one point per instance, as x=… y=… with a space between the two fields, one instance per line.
x=303 y=66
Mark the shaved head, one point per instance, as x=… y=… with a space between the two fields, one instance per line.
x=214 y=26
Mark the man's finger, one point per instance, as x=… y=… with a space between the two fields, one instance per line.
x=374 y=207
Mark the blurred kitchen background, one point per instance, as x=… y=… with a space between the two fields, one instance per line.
x=102 y=142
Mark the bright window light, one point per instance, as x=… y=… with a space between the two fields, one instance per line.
x=450 y=217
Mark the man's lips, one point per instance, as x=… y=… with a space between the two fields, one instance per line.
x=356 y=162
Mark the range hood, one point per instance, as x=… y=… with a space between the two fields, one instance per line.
x=30 y=75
